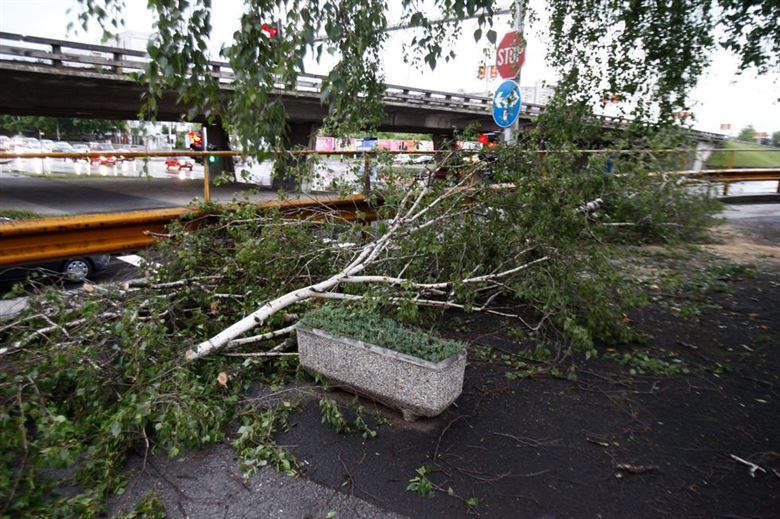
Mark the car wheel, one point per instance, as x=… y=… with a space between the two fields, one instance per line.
x=77 y=269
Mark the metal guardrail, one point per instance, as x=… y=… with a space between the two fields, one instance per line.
x=730 y=176
x=43 y=239
x=63 y=56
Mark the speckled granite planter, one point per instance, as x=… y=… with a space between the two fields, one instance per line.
x=414 y=386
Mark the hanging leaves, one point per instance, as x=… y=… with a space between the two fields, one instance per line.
x=649 y=53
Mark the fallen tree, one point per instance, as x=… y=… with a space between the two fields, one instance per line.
x=90 y=375
x=419 y=210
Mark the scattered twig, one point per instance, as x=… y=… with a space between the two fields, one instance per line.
x=635 y=469
x=688 y=345
x=441 y=435
x=529 y=442
x=263 y=337
x=597 y=442
x=262 y=354
x=753 y=467
x=146 y=450
x=158 y=234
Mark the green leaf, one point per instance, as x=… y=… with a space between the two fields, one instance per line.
x=491 y=36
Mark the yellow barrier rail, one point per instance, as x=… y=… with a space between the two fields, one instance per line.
x=40 y=239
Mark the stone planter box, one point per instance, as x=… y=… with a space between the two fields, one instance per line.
x=414 y=386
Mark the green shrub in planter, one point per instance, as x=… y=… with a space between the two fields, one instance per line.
x=343 y=321
x=376 y=357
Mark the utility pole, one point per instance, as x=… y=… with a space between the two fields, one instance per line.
x=510 y=134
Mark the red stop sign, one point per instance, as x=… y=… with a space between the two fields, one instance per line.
x=510 y=55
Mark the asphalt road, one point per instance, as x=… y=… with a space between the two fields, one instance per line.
x=763 y=220
x=58 y=194
x=61 y=186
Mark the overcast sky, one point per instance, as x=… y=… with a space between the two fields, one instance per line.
x=722 y=96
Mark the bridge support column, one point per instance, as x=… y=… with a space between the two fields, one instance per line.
x=299 y=135
x=219 y=139
x=442 y=141
x=700 y=156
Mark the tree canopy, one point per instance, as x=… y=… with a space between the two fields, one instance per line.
x=748 y=133
x=65 y=127
x=648 y=53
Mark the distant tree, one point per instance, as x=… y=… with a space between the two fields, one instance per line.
x=748 y=133
x=66 y=127
x=776 y=138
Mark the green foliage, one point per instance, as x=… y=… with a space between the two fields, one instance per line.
x=420 y=483
x=150 y=507
x=652 y=54
x=106 y=371
x=747 y=134
x=108 y=376
x=519 y=369
x=716 y=278
x=332 y=415
x=367 y=326
x=255 y=444
x=68 y=127
x=641 y=362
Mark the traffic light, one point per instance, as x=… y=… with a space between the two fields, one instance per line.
x=272 y=30
x=196 y=141
x=196 y=144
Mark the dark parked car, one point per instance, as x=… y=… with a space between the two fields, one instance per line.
x=74 y=269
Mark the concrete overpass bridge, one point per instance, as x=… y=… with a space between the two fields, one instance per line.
x=48 y=77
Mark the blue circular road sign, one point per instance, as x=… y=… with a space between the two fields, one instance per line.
x=506 y=103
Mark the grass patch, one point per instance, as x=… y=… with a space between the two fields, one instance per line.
x=368 y=327
x=758 y=157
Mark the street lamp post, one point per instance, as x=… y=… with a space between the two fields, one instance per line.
x=40 y=142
